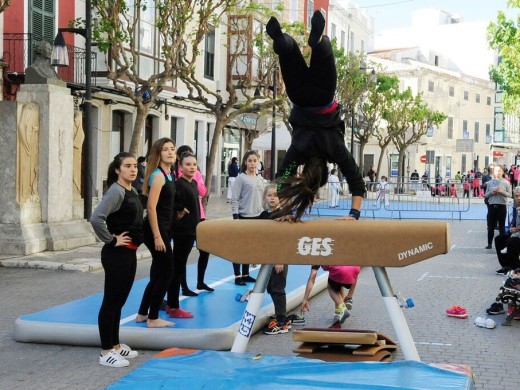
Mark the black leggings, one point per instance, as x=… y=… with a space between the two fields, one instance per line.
x=181 y=250
x=510 y=259
x=496 y=213
x=161 y=272
x=276 y=288
x=119 y=264
x=245 y=267
x=313 y=85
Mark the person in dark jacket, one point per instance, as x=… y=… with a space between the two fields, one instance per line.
x=318 y=130
x=184 y=226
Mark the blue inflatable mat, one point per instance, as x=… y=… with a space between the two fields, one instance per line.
x=228 y=370
x=217 y=314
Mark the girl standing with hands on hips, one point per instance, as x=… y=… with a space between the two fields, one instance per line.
x=187 y=210
x=118 y=222
x=246 y=203
x=159 y=184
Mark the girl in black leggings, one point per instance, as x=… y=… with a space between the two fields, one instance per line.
x=159 y=184
x=118 y=222
x=318 y=130
x=187 y=210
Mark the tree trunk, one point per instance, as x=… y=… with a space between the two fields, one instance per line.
x=380 y=162
x=215 y=141
x=361 y=154
x=142 y=112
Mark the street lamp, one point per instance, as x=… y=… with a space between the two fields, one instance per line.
x=60 y=58
x=273 y=130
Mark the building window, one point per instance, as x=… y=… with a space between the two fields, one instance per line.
x=42 y=21
x=310 y=11
x=332 y=31
x=117 y=138
x=209 y=55
x=452 y=91
x=477 y=131
x=477 y=98
x=463 y=163
x=488 y=100
x=488 y=133
x=342 y=43
x=431 y=86
x=173 y=129
x=466 y=95
x=436 y=60
x=294 y=10
x=464 y=125
x=450 y=127
x=362 y=46
x=352 y=36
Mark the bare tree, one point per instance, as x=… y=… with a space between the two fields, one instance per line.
x=251 y=65
x=117 y=35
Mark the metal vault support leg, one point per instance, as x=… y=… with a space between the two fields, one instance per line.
x=396 y=315
x=252 y=308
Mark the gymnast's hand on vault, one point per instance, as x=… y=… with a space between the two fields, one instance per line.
x=346 y=218
x=286 y=218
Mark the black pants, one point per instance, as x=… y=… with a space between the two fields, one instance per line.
x=276 y=288
x=182 y=247
x=308 y=86
x=496 y=213
x=161 y=272
x=119 y=264
x=510 y=259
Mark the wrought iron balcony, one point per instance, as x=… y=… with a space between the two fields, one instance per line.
x=19 y=54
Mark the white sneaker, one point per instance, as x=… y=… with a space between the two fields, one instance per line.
x=113 y=359
x=127 y=352
x=485 y=323
x=504 y=251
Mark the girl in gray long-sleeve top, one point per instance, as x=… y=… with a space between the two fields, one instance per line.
x=498 y=192
x=118 y=222
x=246 y=203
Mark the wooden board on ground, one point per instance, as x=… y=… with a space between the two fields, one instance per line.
x=343 y=344
x=337 y=336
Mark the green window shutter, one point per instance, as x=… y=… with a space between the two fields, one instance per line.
x=41 y=22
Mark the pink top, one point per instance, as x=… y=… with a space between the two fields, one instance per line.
x=200 y=186
x=343 y=274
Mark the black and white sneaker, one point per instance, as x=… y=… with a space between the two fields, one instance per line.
x=495 y=308
x=296 y=319
x=113 y=359
x=127 y=352
x=502 y=271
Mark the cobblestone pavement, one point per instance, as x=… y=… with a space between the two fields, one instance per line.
x=464 y=276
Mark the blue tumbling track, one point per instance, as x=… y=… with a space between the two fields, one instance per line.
x=217 y=314
x=228 y=370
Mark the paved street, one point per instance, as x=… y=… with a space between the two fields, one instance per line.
x=465 y=276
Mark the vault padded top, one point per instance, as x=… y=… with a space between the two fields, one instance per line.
x=372 y=243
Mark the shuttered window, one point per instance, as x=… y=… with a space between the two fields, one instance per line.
x=42 y=20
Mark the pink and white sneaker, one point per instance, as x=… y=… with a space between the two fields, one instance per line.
x=457 y=312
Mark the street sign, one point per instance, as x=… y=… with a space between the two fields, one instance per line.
x=423 y=159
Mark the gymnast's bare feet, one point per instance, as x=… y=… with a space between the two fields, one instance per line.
x=140 y=318
x=159 y=323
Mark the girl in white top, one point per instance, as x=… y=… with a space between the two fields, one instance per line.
x=246 y=203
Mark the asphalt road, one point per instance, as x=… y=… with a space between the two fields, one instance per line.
x=465 y=276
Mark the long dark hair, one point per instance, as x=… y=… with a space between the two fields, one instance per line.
x=112 y=175
x=297 y=193
x=243 y=166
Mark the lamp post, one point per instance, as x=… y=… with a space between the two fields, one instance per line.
x=60 y=58
x=273 y=129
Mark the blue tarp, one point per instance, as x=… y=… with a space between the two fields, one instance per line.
x=228 y=370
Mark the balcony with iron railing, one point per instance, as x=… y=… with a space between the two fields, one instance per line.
x=19 y=53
